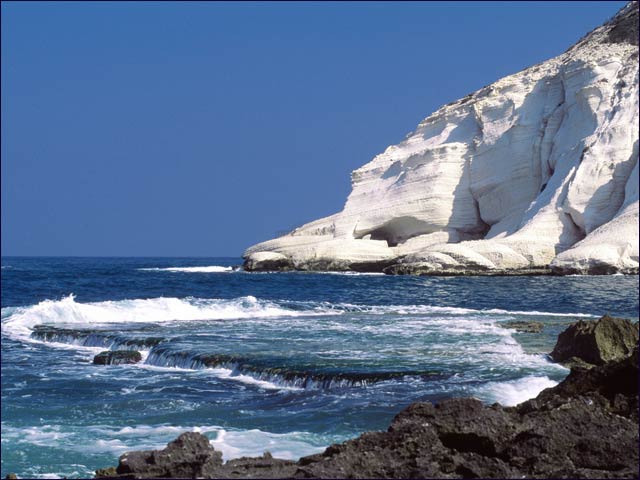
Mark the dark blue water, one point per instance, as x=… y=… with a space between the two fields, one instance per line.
x=285 y=362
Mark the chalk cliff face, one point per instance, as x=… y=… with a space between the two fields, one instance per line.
x=535 y=172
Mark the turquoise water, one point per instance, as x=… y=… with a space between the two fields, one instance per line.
x=285 y=362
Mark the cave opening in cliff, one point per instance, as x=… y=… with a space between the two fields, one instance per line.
x=398 y=230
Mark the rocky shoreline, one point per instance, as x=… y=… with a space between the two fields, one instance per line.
x=424 y=269
x=279 y=263
x=585 y=427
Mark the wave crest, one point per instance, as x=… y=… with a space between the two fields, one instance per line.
x=20 y=322
x=513 y=392
x=208 y=269
x=233 y=443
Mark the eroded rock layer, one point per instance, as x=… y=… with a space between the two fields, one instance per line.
x=535 y=173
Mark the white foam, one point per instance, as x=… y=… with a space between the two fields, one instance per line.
x=233 y=443
x=221 y=373
x=42 y=436
x=536 y=313
x=252 y=443
x=208 y=269
x=431 y=309
x=227 y=374
x=160 y=368
x=515 y=391
x=355 y=274
x=19 y=322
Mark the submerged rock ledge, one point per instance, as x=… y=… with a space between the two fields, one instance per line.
x=536 y=173
x=585 y=427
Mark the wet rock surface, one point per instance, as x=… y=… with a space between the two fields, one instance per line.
x=614 y=385
x=188 y=456
x=117 y=357
x=596 y=342
x=585 y=427
x=192 y=456
x=524 y=327
x=93 y=338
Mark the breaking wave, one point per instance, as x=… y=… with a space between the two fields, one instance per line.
x=515 y=391
x=426 y=309
x=233 y=443
x=19 y=322
x=209 y=269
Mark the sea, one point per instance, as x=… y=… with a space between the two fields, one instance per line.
x=282 y=362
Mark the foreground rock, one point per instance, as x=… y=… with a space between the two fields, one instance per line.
x=596 y=342
x=585 y=427
x=614 y=384
x=533 y=174
x=117 y=357
x=189 y=456
x=192 y=456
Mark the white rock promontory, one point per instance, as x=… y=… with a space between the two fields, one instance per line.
x=536 y=171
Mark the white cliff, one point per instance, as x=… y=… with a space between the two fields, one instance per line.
x=536 y=171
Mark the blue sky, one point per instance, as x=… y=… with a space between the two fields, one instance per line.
x=198 y=129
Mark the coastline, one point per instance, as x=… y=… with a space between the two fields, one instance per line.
x=418 y=269
x=369 y=328
x=585 y=427
x=525 y=175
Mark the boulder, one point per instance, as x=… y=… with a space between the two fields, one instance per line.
x=596 y=342
x=192 y=456
x=188 y=456
x=106 y=472
x=117 y=357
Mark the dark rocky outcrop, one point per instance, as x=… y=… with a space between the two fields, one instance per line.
x=188 y=456
x=585 y=427
x=192 y=456
x=106 y=472
x=614 y=384
x=268 y=265
x=625 y=25
x=524 y=327
x=596 y=342
x=93 y=338
x=292 y=375
x=117 y=357
x=258 y=467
